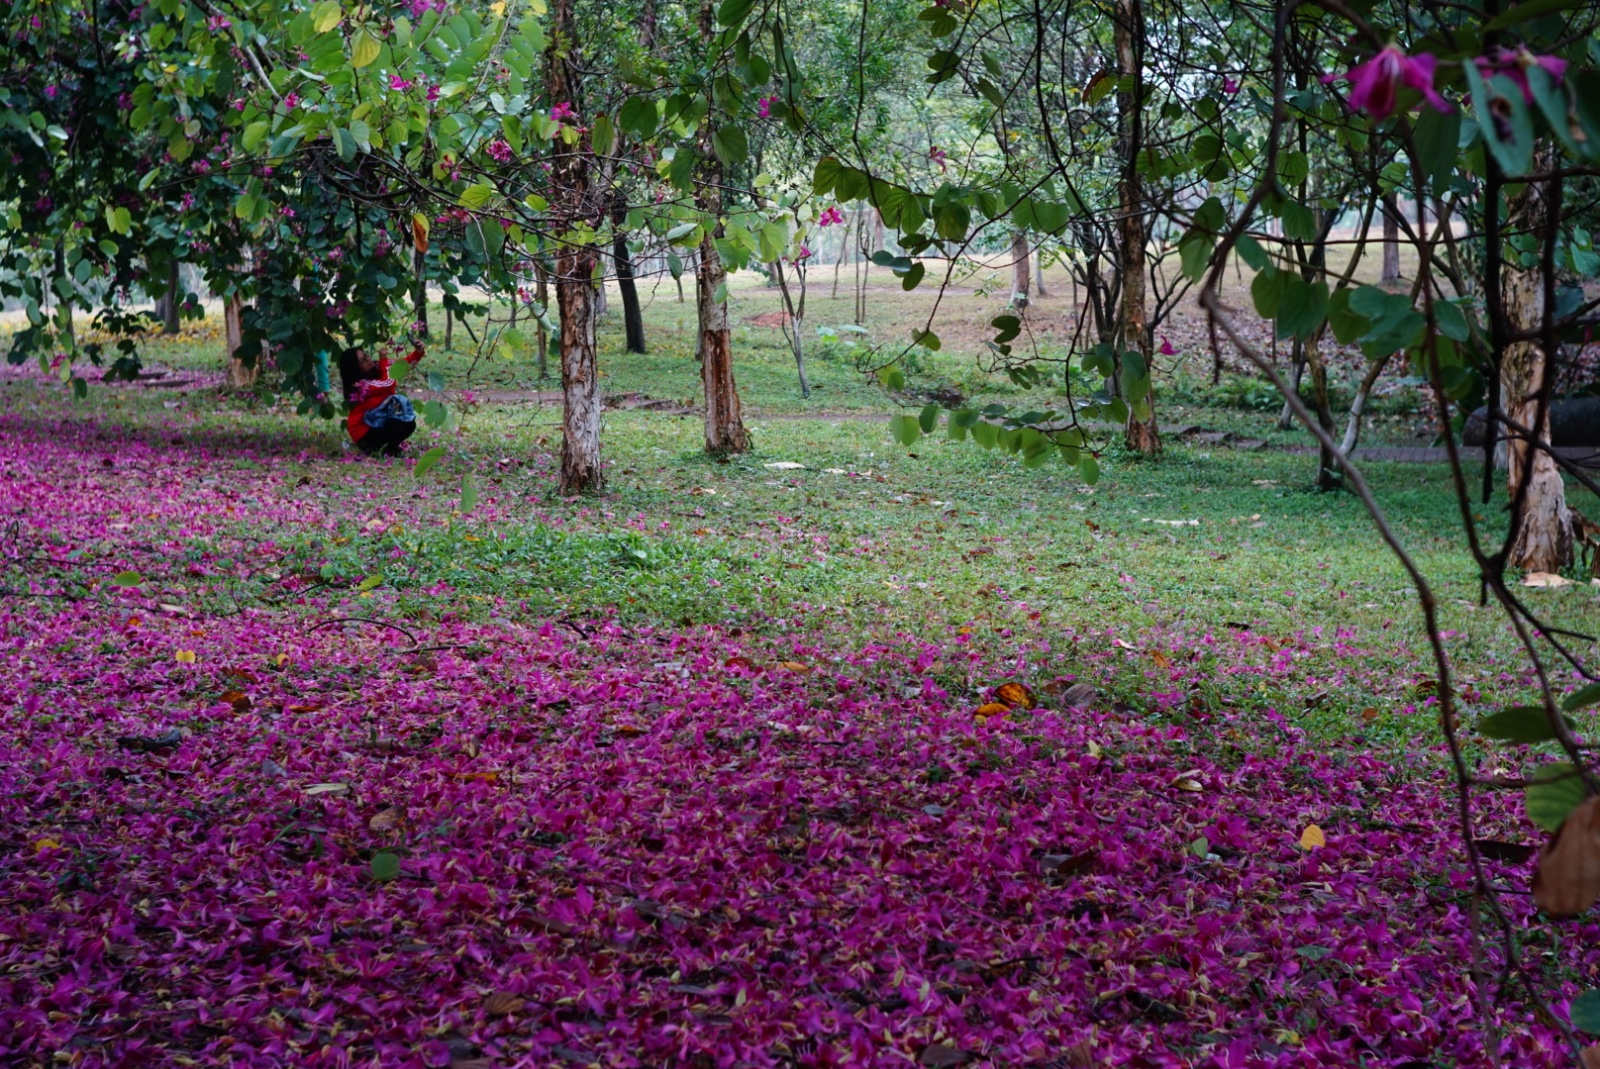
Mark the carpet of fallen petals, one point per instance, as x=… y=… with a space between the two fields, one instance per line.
x=246 y=839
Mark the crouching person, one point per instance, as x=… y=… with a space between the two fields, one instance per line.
x=380 y=418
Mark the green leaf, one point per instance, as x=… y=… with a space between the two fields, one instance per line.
x=928 y=418
x=371 y=582
x=127 y=579
x=1303 y=308
x=1251 y=252
x=1585 y=1008
x=1438 y=135
x=1503 y=120
x=1524 y=12
x=1582 y=699
x=1556 y=791
x=602 y=135
x=733 y=12
x=905 y=429
x=469 y=494
x=913 y=276
x=731 y=145
x=638 y=116
x=364 y=50
x=255 y=133
x=427 y=460
x=1452 y=321
x=1194 y=252
x=1089 y=468
x=474 y=197
x=325 y=16
x=927 y=339
x=1519 y=723
x=385 y=866
x=1267 y=290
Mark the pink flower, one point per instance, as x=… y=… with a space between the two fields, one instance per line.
x=125 y=101
x=499 y=150
x=216 y=24
x=1230 y=86
x=830 y=216
x=433 y=93
x=937 y=155
x=1166 y=347
x=399 y=84
x=291 y=101
x=1515 y=65
x=50 y=92
x=1375 y=84
x=803 y=254
x=562 y=112
x=764 y=107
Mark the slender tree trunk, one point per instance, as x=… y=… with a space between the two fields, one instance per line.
x=1142 y=434
x=581 y=470
x=1021 y=270
x=167 y=305
x=1391 y=241
x=419 y=291
x=1542 y=539
x=65 y=304
x=1038 y=271
x=1327 y=462
x=632 y=314
x=241 y=374
x=1352 y=430
x=725 y=431
x=542 y=295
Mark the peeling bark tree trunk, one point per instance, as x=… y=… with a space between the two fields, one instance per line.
x=241 y=375
x=1391 y=241
x=575 y=263
x=1142 y=434
x=1038 y=272
x=1543 y=534
x=1021 y=272
x=725 y=433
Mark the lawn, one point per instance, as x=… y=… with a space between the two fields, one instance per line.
x=309 y=760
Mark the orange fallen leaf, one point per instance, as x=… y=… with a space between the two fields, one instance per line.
x=629 y=731
x=1016 y=695
x=1312 y=838
x=1161 y=659
x=794 y=666
x=305 y=707
x=238 y=699
x=478 y=777
x=988 y=709
x=1369 y=714
x=740 y=662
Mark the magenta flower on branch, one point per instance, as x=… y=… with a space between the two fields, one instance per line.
x=1515 y=65
x=563 y=112
x=1375 y=85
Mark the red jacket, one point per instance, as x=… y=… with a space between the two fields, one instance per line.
x=373 y=392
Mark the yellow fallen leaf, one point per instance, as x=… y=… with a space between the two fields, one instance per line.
x=184 y=656
x=989 y=709
x=1312 y=838
x=45 y=844
x=794 y=666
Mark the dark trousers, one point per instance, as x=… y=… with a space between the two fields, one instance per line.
x=386 y=438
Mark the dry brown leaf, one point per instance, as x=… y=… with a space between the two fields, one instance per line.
x=503 y=1002
x=1188 y=781
x=740 y=661
x=387 y=818
x=1545 y=580
x=794 y=666
x=1016 y=695
x=1161 y=659
x=989 y=709
x=1568 y=880
x=629 y=731
x=1369 y=714
x=1312 y=838
x=478 y=777
x=238 y=699
x=1080 y=1055
x=419 y=231
x=1589 y=1057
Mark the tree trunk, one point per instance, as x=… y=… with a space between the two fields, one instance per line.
x=632 y=314
x=725 y=431
x=241 y=373
x=1038 y=271
x=1327 y=463
x=167 y=305
x=542 y=295
x=1542 y=535
x=419 y=291
x=1142 y=434
x=1391 y=241
x=1021 y=271
x=581 y=471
